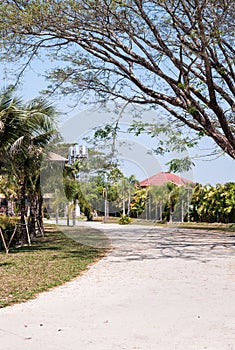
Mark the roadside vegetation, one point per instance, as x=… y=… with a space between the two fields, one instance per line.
x=229 y=227
x=208 y=226
x=194 y=203
x=50 y=261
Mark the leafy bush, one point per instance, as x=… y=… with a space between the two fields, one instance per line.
x=124 y=220
x=7 y=225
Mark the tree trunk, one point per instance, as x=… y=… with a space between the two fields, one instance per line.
x=74 y=212
x=182 y=211
x=171 y=212
x=7 y=207
x=39 y=214
x=67 y=214
x=32 y=217
x=161 y=211
x=23 y=233
x=123 y=204
x=57 y=214
x=156 y=210
x=129 y=203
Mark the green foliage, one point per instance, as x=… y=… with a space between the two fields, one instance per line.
x=7 y=225
x=124 y=220
x=74 y=192
x=213 y=203
x=107 y=132
x=168 y=202
x=205 y=203
x=26 y=131
x=192 y=110
x=138 y=203
x=180 y=165
x=169 y=134
x=170 y=137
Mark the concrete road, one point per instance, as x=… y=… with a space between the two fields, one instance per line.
x=157 y=289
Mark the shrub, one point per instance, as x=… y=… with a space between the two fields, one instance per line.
x=7 y=225
x=124 y=220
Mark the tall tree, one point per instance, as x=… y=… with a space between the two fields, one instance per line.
x=159 y=197
x=27 y=152
x=11 y=122
x=27 y=130
x=178 y=55
x=173 y=196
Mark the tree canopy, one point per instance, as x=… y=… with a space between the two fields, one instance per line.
x=174 y=55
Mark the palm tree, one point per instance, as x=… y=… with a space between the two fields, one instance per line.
x=10 y=124
x=26 y=130
x=173 y=196
x=159 y=196
x=27 y=152
x=132 y=183
x=74 y=193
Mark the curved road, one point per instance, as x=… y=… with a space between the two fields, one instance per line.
x=157 y=289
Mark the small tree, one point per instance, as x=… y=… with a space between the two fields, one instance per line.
x=138 y=202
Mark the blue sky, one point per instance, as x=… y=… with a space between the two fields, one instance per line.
x=135 y=152
x=220 y=170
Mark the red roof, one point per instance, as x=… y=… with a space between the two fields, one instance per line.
x=162 y=178
x=54 y=157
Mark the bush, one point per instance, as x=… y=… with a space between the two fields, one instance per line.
x=124 y=220
x=7 y=225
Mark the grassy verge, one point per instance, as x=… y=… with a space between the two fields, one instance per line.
x=190 y=225
x=187 y=225
x=208 y=226
x=50 y=261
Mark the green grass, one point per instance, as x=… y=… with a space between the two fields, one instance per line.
x=208 y=226
x=50 y=261
x=189 y=225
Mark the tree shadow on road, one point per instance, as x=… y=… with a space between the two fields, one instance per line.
x=172 y=243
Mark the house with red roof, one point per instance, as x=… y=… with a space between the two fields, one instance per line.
x=54 y=157
x=164 y=177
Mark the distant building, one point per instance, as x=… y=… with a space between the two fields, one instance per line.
x=164 y=177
